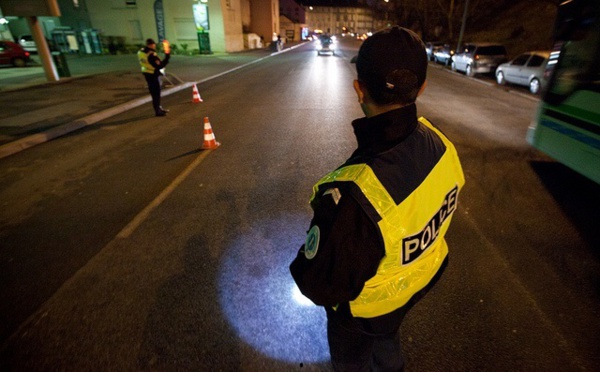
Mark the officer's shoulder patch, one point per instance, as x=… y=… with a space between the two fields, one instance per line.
x=335 y=194
x=311 y=246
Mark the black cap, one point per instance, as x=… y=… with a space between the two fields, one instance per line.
x=392 y=60
x=150 y=41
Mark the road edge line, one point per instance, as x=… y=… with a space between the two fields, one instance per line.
x=157 y=201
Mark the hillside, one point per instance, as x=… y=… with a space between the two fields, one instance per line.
x=522 y=26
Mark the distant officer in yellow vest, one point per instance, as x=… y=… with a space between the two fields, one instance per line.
x=376 y=241
x=151 y=69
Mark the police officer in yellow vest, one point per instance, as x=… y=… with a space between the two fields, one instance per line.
x=151 y=69
x=376 y=241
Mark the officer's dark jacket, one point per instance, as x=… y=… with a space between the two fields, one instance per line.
x=402 y=152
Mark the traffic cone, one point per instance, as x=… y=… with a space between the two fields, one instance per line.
x=196 y=96
x=210 y=142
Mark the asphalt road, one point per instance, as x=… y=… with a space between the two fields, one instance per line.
x=125 y=247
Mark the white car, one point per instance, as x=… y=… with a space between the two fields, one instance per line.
x=527 y=69
x=26 y=41
x=479 y=58
x=431 y=47
x=443 y=54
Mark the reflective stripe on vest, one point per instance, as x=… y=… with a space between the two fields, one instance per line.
x=413 y=231
x=143 y=58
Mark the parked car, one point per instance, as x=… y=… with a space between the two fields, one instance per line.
x=27 y=42
x=479 y=58
x=326 y=45
x=431 y=47
x=527 y=69
x=443 y=54
x=13 y=53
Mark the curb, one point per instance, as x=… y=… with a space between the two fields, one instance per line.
x=531 y=97
x=39 y=138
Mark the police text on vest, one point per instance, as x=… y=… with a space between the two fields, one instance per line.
x=413 y=246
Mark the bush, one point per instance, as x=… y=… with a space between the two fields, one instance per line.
x=114 y=44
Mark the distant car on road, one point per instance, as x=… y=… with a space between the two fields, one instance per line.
x=27 y=43
x=326 y=45
x=479 y=58
x=443 y=54
x=13 y=53
x=527 y=69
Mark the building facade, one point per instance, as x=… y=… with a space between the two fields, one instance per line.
x=292 y=21
x=226 y=23
x=341 y=20
x=222 y=25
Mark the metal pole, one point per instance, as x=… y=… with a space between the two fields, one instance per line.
x=42 y=48
x=462 y=27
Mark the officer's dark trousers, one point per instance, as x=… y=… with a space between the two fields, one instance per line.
x=362 y=345
x=154 y=88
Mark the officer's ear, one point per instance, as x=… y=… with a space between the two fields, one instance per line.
x=422 y=88
x=360 y=91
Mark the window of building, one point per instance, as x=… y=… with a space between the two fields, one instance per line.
x=135 y=30
x=185 y=29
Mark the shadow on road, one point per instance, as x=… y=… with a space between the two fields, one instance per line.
x=578 y=196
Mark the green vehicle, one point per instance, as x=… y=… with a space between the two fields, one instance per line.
x=567 y=125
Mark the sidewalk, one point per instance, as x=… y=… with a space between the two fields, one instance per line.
x=46 y=110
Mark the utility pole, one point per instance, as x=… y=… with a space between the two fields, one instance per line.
x=42 y=48
x=462 y=26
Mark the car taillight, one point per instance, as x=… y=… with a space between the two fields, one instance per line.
x=26 y=54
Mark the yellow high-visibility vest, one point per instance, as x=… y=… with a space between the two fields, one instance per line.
x=143 y=58
x=412 y=231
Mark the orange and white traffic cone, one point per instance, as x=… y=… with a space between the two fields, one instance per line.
x=196 y=96
x=210 y=142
